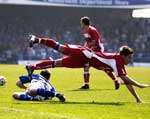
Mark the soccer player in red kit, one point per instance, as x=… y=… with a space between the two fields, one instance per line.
x=93 y=40
x=77 y=56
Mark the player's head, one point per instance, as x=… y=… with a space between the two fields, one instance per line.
x=46 y=74
x=127 y=53
x=84 y=21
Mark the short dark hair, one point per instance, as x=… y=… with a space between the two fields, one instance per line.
x=125 y=50
x=46 y=74
x=85 y=20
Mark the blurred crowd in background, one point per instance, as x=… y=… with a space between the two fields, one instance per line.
x=117 y=27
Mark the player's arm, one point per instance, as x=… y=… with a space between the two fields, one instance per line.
x=90 y=44
x=85 y=44
x=129 y=81
x=22 y=81
x=21 y=85
x=129 y=84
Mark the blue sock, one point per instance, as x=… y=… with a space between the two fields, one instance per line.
x=25 y=97
x=44 y=93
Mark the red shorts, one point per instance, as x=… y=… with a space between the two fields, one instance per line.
x=73 y=62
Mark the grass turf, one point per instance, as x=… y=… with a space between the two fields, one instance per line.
x=100 y=102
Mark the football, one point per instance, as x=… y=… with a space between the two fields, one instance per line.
x=2 y=80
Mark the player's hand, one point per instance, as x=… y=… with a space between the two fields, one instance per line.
x=139 y=101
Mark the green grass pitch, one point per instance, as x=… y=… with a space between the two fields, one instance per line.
x=100 y=102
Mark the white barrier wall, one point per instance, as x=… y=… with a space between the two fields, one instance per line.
x=138 y=64
x=141 y=64
x=25 y=62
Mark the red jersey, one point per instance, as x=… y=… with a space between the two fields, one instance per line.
x=93 y=39
x=79 y=56
x=106 y=61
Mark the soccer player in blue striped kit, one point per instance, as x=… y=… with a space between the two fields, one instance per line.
x=39 y=87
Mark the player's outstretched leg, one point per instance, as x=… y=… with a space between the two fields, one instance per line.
x=50 y=43
x=71 y=51
x=41 y=65
x=40 y=91
x=21 y=96
x=50 y=63
x=69 y=62
x=45 y=93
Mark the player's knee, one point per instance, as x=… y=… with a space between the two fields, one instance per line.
x=86 y=70
x=32 y=92
x=58 y=63
x=86 y=67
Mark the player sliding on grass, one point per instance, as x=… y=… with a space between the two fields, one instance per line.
x=77 y=56
x=38 y=89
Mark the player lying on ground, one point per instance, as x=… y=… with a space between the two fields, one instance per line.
x=77 y=56
x=38 y=89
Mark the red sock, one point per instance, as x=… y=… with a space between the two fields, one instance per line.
x=44 y=64
x=86 y=78
x=50 y=43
